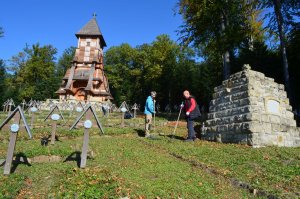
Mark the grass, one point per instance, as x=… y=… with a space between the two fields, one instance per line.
x=125 y=164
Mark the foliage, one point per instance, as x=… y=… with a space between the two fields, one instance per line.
x=33 y=74
x=293 y=50
x=1 y=32
x=65 y=61
x=2 y=80
x=290 y=14
x=285 y=13
x=218 y=28
x=162 y=66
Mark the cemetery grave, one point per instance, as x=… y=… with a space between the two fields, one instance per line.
x=122 y=163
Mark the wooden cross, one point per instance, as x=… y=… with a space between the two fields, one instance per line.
x=16 y=115
x=23 y=104
x=134 y=107
x=55 y=118
x=89 y=112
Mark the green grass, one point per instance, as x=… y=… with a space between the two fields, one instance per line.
x=125 y=164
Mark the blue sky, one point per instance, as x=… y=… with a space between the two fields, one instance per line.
x=56 y=22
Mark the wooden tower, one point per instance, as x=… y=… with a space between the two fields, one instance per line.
x=85 y=80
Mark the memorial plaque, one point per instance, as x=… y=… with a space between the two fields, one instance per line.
x=273 y=106
x=55 y=117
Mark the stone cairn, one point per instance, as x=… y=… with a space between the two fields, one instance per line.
x=249 y=108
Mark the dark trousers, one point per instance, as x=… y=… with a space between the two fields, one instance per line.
x=190 y=127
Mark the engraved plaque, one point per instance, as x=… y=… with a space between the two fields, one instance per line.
x=273 y=106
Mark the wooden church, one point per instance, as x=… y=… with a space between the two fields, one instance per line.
x=85 y=80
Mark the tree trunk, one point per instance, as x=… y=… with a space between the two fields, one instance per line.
x=225 y=56
x=279 y=18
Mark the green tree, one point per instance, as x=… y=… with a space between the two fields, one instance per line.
x=217 y=28
x=65 y=61
x=285 y=12
x=162 y=66
x=293 y=52
x=1 y=32
x=34 y=70
x=2 y=82
x=121 y=72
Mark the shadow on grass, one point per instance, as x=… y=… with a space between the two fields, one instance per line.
x=75 y=156
x=176 y=137
x=20 y=159
x=46 y=139
x=140 y=132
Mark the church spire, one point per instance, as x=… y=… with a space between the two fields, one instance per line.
x=91 y=29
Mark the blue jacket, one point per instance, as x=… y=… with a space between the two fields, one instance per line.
x=149 y=106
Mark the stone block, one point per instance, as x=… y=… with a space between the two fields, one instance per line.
x=231 y=127
x=274 y=119
x=210 y=115
x=255 y=126
x=212 y=129
x=241 y=138
x=244 y=102
x=245 y=127
x=237 y=128
x=264 y=118
x=281 y=87
x=212 y=109
x=212 y=102
x=254 y=117
x=292 y=123
x=289 y=115
x=276 y=127
x=266 y=127
x=222 y=128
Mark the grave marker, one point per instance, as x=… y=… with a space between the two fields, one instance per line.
x=32 y=110
x=123 y=110
x=54 y=117
x=23 y=104
x=10 y=104
x=134 y=107
x=89 y=112
x=17 y=116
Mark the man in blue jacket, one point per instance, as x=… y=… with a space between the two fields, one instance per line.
x=149 y=110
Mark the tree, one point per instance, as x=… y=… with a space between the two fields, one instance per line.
x=162 y=66
x=34 y=70
x=2 y=81
x=1 y=32
x=284 y=15
x=293 y=52
x=216 y=27
x=65 y=61
x=121 y=72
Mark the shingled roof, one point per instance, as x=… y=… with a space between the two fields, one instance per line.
x=91 y=29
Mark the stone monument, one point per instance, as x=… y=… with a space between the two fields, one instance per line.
x=249 y=108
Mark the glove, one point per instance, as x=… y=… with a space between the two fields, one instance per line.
x=187 y=113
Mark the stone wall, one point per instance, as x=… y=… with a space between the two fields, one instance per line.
x=252 y=109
